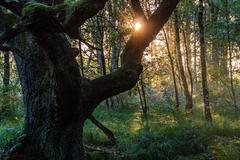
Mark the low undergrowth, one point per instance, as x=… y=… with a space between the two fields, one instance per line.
x=168 y=136
x=162 y=134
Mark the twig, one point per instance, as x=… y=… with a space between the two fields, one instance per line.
x=102 y=149
x=88 y=44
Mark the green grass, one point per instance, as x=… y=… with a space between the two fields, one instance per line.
x=9 y=132
x=161 y=135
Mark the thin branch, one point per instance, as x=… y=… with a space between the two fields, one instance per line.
x=111 y=151
x=88 y=44
x=105 y=130
x=13 y=31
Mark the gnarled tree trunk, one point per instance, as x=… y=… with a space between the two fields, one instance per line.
x=51 y=87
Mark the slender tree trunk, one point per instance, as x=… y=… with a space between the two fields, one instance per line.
x=231 y=74
x=115 y=43
x=140 y=97
x=81 y=56
x=188 y=96
x=203 y=64
x=6 y=71
x=216 y=51
x=98 y=39
x=101 y=39
x=145 y=109
x=230 y=58
x=195 y=86
x=173 y=72
x=109 y=101
x=113 y=39
x=188 y=62
x=5 y=109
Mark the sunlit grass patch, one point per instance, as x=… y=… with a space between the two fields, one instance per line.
x=164 y=134
x=226 y=148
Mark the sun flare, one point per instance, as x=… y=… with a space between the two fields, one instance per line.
x=137 y=26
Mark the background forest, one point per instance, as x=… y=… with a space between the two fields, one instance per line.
x=186 y=105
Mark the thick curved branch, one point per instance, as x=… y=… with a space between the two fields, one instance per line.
x=82 y=11
x=15 y=7
x=42 y=18
x=138 y=11
x=121 y=80
x=127 y=76
x=13 y=32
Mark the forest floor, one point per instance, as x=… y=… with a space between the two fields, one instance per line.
x=161 y=135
